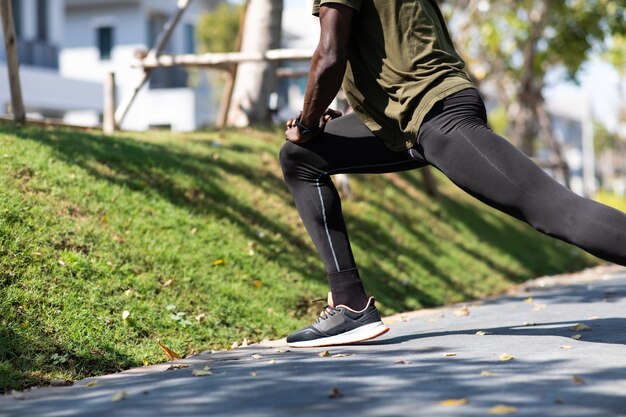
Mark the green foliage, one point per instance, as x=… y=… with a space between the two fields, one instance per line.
x=92 y=227
x=217 y=30
x=604 y=139
x=555 y=33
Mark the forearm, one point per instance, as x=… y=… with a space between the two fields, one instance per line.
x=325 y=77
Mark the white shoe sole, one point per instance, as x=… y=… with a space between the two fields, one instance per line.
x=360 y=334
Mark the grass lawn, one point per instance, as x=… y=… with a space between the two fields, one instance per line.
x=111 y=244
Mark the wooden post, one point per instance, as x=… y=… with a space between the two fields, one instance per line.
x=160 y=43
x=231 y=77
x=13 y=64
x=108 y=122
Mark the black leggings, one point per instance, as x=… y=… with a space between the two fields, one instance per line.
x=456 y=140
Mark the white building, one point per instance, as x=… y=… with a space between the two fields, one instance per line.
x=39 y=26
x=103 y=36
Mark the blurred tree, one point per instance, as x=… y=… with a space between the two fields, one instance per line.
x=217 y=30
x=255 y=81
x=515 y=43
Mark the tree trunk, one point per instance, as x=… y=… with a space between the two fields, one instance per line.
x=256 y=81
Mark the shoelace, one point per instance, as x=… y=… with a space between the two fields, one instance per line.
x=327 y=311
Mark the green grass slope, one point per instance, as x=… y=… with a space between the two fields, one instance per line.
x=110 y=244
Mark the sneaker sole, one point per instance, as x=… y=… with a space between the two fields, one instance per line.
x=360 y=334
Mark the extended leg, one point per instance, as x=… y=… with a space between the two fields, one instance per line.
x=458 y=142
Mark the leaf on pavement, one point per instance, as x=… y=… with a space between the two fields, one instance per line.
x=502 y=410
x=174 y=367
x=576 y=380
x=482 y=333
x=335 y=393
x=566 y=347
x=253 y=374
x=171 y=355
x=577 y=336
x=528 y=300
x=449 y=354
x=462 y=312
x=91 y=384
x=202 y=372
x=487 y=373
x=402 y=362
x=506 y=357
x=256 y=356
x=324 y=354
x=580 y=327
x=454 y=402
x=341 y=355
x=119 y=396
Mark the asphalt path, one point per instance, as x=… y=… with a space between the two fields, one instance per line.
x=555 y=347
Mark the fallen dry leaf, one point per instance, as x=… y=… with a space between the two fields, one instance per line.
x=218 y=262
x=282 y=350
x=323 y=354
x=235 y=345
x=454 y=402
x=462 y=312
x=174 y=367
x=487 y=373
x=449 y=354
x=256 y=356
x=402 y=362
x=482 y=333
x=580 y=327
x=502 y=409
x=206 y=371
x=119 y=396
x=577 y=336
x=566 y=347
x=171 y=355
x=506 y=357
x=244 y=342
x=253 y=374
x=528 y=300
x=257 y=283
x=91 y=384
x=194 y=230
x=61 y=262
x=118 y=238
x=576 y=380
x=335 y=393
x=167 y=283
x=341 y=355
x=201 y=317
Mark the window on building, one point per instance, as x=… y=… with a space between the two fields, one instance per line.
x=156 y=22
x=17 y=17
x=42 y=20
x=190 y=39
x=105 y=41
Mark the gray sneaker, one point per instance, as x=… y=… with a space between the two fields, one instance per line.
x=340 y=325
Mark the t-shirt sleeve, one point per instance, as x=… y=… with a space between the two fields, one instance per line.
x=353 y=4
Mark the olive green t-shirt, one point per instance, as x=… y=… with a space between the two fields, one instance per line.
x=401 y=61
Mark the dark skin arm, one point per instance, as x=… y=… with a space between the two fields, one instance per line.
x=328 y=67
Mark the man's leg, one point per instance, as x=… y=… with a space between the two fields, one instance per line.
x=457 y=141
x=346 y=146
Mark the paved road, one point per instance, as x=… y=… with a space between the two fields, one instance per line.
x=427 y=357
